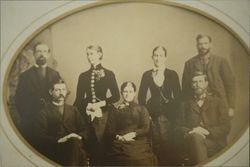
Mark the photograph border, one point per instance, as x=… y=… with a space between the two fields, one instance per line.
x=88 y=7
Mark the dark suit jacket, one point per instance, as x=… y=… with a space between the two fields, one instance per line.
x=50 y=125
x=220 y=77
x=83 y=93
x=212 y=114
x=31 y=91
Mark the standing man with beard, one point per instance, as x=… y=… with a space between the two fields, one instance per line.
x=203 y=123
x=32 y=89
x=220 y=77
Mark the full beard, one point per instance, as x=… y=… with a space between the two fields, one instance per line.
x=41 y=61
x=204 y=51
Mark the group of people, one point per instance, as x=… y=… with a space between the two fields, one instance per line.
x=172 y=124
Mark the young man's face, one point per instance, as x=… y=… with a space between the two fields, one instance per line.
x=203 y=46
x=41 y=54
x=128 y=93
x=94 y=57
x=199 y=84
x=159 y=57
x=59 y=93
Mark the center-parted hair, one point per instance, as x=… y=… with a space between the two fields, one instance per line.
x=125 y=84
x=159 y=47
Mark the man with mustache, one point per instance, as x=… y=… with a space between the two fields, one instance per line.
x=32 y=89
x=60 y=129
x=217 y=69
x=203 y=122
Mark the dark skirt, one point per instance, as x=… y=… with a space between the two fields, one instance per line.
x=132 y=153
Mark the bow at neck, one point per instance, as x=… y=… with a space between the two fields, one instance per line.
x=97 y=67
x=125 y=104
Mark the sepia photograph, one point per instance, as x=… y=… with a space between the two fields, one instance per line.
x=130 y=84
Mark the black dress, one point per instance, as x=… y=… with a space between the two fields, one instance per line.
x=162 y=107
x=92 y=87
x=130 y=118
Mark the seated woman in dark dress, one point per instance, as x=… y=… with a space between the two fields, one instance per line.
x=128 y=132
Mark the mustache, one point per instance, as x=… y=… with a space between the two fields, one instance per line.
x=61 y=95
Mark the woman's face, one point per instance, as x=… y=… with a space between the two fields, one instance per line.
x=94 y=57
x=159 y=58
x=128 y=93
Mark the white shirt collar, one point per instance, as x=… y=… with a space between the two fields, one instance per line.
x=57 y=104
x=43 y=66
x=159 y=68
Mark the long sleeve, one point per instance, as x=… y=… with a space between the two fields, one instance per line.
x=80 y=93
x=82 y=126
x=143 y=90
x=177 y=86
x=223 y=126
x=41 y=130
x=114 y=90
x=181 y=128
x=20 y=94
x=144 y=124
x=112 y=126
x=186 y=81
x=229 y=82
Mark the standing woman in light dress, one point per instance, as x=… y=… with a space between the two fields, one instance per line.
x=94 y=104
x=164 y=87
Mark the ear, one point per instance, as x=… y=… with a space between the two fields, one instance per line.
x=50 y=92
x=206 y=84
x=100 y=55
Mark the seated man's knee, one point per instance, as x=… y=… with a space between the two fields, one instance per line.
x=196 y=138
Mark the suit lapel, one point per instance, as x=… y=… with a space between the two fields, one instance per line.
x=35 y=80
x=56 y=113
x=206 y=104
x=194 y=106
x=66 y=113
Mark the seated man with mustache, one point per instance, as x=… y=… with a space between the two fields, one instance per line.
x=204 y=123
x=60 y=129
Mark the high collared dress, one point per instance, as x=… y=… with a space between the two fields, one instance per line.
x=93 y=86
x=130 y=118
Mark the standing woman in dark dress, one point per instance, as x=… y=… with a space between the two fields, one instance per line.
x=164 y=87
x=128 y=132
x=93 y=103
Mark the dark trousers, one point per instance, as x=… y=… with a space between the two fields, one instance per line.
x=69 y=153
x=199 y=149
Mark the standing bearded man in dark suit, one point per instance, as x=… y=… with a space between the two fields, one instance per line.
x=204 y=122
x=32 y=89
x=61 y=130
x=217 y=69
